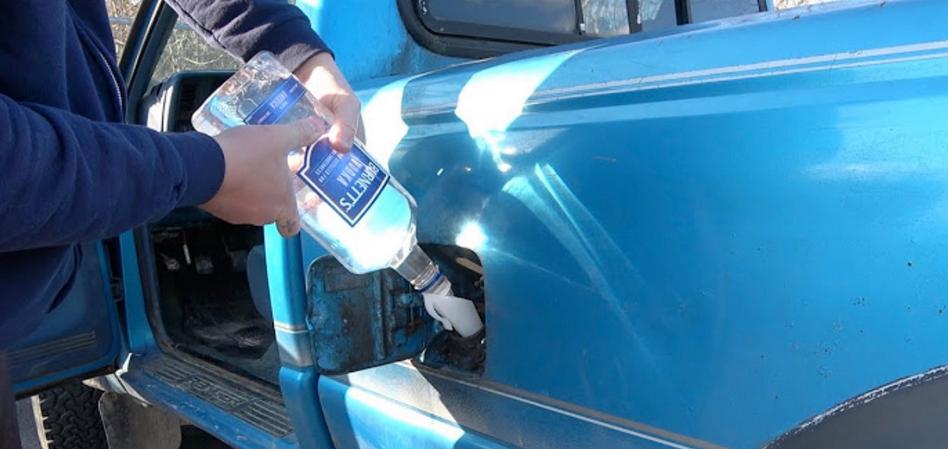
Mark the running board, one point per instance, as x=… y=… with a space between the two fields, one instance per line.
x=233 y=412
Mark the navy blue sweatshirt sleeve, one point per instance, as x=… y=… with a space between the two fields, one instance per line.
x=66 y=179
x=246 y=27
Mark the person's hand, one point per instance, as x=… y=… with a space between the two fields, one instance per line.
x=257 y=187
x=324 y=80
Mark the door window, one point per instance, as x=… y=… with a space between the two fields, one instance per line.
x=186 y=50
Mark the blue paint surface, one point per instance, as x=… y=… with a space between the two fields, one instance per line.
x=717 y=232
x=285 y=276
x=76 y=337
x=379 y=47
x=297 y=377
x=141 y=339
x=366 y=420
x=301 y=397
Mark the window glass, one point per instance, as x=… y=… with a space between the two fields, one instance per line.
x=187 y=50
x=704 y=10
x=555 y=21
x=657 y=15
x=606 y=17
x=121 y=14
x=546 y=21
x=463 y=16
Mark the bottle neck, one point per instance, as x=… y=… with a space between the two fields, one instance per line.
x=422 y=273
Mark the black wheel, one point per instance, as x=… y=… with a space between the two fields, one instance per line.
x=67 y=417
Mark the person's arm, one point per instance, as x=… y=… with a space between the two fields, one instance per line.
x=66 y=179
x=245 y=27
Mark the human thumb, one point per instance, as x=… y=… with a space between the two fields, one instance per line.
x=300 y=133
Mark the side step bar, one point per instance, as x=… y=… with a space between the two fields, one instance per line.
x=235 y=413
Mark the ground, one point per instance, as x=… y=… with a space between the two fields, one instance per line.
x=192 y=437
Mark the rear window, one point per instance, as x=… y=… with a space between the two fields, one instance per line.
x=549 y=22
x=494 y=17
x=705 y=10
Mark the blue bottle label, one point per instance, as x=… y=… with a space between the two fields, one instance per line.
x=348 y=182
x=277 y=104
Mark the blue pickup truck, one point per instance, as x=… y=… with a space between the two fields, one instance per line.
x=686 y=223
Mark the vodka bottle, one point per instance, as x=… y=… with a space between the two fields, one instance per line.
x=365 y=218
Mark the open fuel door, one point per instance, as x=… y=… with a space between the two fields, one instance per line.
x=361 y=321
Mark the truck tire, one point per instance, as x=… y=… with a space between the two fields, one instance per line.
x=67 y=417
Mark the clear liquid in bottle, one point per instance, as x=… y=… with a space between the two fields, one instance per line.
x=365 y=218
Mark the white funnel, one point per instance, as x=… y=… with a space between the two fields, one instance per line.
x=457 y=314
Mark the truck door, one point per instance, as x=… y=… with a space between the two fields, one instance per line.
x=78 y=337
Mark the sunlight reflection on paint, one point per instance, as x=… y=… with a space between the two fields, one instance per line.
x=471 y=236
x=382 y=118
x=555 y=205
x=494 y=97
x=435 y=429
x=883 y=141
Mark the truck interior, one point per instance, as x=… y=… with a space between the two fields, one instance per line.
x=205 y=279
x=211 y=292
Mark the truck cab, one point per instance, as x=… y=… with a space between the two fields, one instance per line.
x=684 y=223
